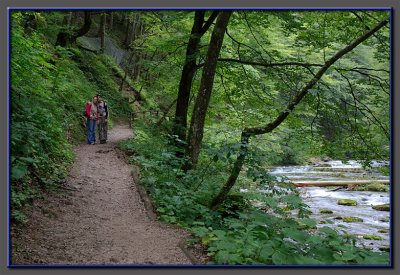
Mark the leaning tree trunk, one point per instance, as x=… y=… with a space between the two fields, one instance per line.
x=196 y=130
x=65 y=38
x=188 y=70
x=248 y=132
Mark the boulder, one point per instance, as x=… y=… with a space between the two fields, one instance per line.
x=347 y=202
x=352 y=219
x=325 y=211
x=381 y=207
x=372 y=237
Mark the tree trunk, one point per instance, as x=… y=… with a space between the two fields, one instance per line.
x=137 y=68
x=203 y=98
x=111 y=20
x=248 y=132
x=237 y=167
x=65 y=38
x=128 y=25
x=121 y=87
x=69 y=18
x=188 y=70
x=134 y=29
x=102 y=31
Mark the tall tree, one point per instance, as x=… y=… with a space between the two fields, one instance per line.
x=111 y=20
x=254 y=131
x=200 y=27
x=102 y=30
x=196 y=130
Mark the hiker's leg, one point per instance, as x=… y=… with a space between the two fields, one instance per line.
x=105 y=130
x=92 y=130
x=88 y=131
x=101 y=127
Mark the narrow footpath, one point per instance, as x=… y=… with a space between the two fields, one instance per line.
x=98 y=218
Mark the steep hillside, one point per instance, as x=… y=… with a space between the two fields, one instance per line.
x=49 y=88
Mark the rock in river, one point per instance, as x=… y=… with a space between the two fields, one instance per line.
x=347 y=202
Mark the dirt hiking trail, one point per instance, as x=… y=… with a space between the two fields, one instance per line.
x=98 y=218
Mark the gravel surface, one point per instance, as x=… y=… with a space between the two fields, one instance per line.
x=98 y=218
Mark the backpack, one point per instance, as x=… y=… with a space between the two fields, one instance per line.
x=84 y=112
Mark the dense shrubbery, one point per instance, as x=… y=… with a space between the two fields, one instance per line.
x=48 y=93
x=277 y=232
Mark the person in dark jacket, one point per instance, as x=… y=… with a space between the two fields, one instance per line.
x=102 y=110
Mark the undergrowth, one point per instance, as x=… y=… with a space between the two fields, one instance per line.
x=269 y=227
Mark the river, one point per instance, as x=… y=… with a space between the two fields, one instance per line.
x=324 y=198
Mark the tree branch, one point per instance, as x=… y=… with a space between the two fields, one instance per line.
x=208 y=23
x=282 y=116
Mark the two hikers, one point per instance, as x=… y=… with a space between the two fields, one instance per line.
x=96 y=112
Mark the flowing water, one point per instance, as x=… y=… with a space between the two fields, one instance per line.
x=323 y=198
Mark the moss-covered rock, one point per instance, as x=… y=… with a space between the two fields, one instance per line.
x=347 y=202
x=384 y=220
x=372 y=237
x=322 y=222
x=381 y=207
x=352 y=219
x=325 y=211
x=374 y=187
x=383 y=230
x=338 y=218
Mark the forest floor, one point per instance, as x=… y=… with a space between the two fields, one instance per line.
x=98 y=218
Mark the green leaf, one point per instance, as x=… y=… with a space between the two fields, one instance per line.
x=267 y=250
x=328 y=231
x=279 y=258
x=18 y=172
x=310 y=223
x=295 y=234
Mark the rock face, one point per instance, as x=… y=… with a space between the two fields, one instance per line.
x=347 y=202
x=352 y=219
x=381 y=207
